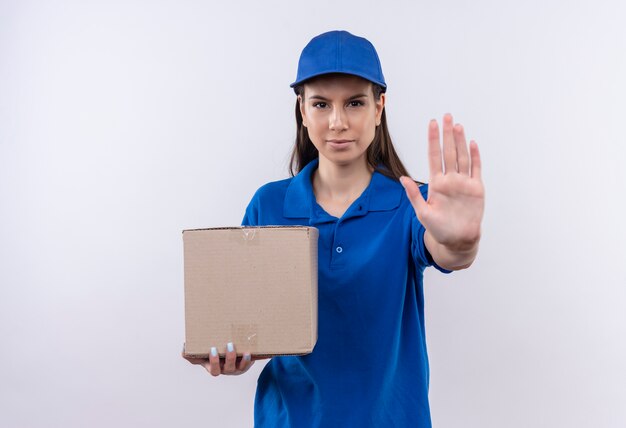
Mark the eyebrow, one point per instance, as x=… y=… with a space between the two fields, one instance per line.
x=319 y=97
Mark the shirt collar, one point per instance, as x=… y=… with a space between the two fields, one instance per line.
x=382 y=194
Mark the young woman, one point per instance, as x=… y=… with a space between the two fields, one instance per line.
x=378 y=231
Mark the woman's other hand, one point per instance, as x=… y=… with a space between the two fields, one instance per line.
x=230 y=365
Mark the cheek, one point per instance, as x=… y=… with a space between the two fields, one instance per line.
x=368 y=128
x=312 y=128
x=315 y=133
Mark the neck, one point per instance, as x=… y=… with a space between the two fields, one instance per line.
x=341 y=182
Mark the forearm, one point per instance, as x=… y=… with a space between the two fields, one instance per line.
x=452 y=258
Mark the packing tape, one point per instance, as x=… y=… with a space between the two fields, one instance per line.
x=248 y=233
x=246 y=335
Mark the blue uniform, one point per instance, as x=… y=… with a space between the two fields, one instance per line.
x=369 y=367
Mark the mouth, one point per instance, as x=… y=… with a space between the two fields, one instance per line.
x=339 y=142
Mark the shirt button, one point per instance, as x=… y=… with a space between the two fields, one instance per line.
x=339 y=249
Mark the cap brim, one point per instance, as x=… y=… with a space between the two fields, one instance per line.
x=304 y=79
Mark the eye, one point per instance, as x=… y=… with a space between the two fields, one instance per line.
x=320 y=104
x=355 y=103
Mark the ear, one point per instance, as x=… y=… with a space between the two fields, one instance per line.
x=380 y=105
x=301 y=105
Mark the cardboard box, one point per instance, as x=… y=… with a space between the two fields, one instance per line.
x=253 y=286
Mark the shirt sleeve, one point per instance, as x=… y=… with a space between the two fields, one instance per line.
x=251 y=216
x=420 y=253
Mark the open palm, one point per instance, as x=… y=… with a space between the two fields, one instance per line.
x=453 y=212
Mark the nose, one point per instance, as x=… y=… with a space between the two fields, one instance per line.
x=338 y=121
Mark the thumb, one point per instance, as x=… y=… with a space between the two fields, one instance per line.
x=415 y=196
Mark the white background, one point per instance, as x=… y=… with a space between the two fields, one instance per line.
x=122 y=123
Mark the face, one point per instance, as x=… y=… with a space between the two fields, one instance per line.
x=341 y=115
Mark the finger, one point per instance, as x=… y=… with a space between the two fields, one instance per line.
x=449 y=149
x=434 y=150
x=214 y=362
x=462 y=155
x=415 y=196
x=476 y=164
x=245 y=363
x=231 y=357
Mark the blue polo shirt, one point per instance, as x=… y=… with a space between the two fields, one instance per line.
x=369 y=367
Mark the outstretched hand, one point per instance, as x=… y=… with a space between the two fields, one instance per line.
x=453 y=212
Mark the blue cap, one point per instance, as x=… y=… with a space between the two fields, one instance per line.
x=339 y=52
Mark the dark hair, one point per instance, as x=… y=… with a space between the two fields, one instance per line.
x=381 y=155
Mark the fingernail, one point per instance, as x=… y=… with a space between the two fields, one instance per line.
x=214 y=351
x=247 y=357
x=230 y=347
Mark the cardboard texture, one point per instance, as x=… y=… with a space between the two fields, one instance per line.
x=253 y=286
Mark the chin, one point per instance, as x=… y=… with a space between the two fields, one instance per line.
x=345 y=159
